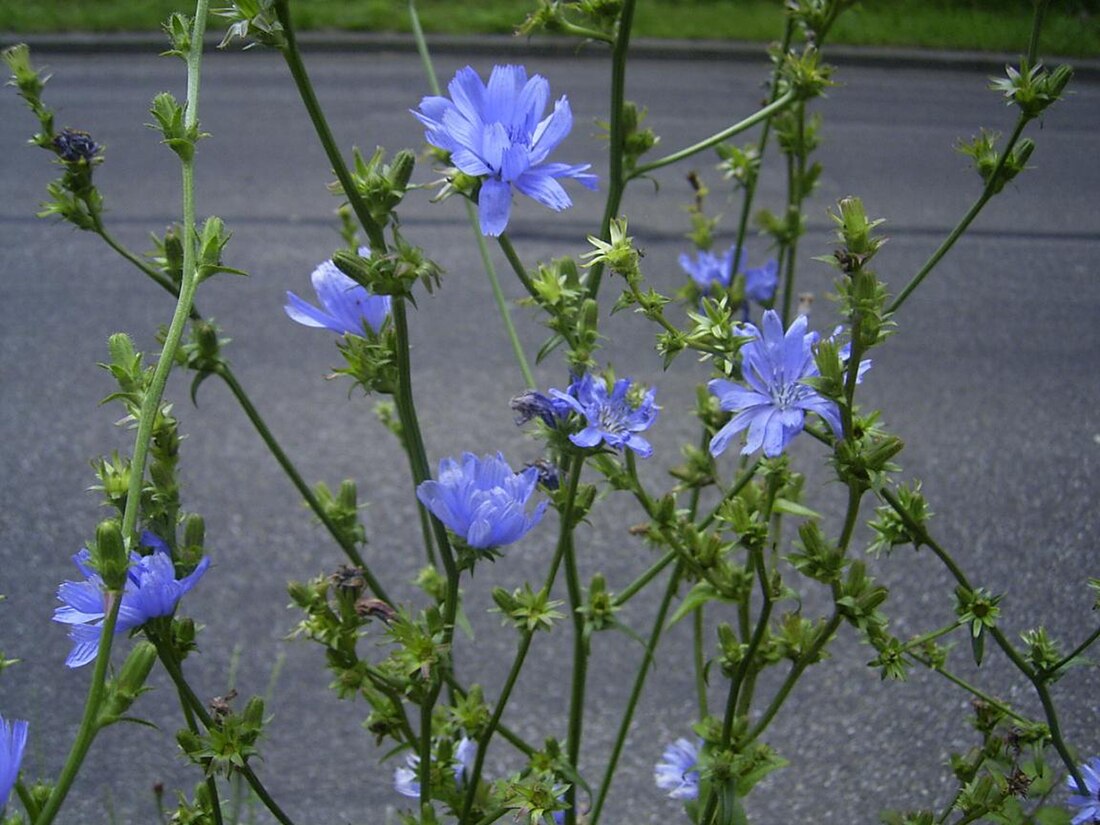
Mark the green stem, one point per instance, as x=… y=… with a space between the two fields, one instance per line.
x=89 y=723
x=517 y=265
x=297 y=68
x=150 y=408
x=635 y=694
x=1077 y=651
x=777 y=105
x=346 y=544
x=498 y=297
x=645 y=578
x=1036 y=29
x=969 y=688
x=471 y=214
x=192 y=725
x=175 y=673
x=487 y=734
x=796 y=670
x=492 y=816
x=510 y=736
x=968 y=218
x=746 y=665
x=565 y=536
x=1037 y=679
x=580 y=673
x=699 y=657
x=616 y=183
x=761 y=146
x=796 y=170
x=738 y=485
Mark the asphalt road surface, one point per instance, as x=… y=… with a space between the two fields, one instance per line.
x=992 y=381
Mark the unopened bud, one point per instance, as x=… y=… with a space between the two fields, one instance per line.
x=401 y=169
x=110 y=558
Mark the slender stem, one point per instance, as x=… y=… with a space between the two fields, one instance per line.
x=498 y=297
x=162 y=280
x=565 y=536
x=761 y=146
x=963 y=224
x=346 y=544
x=580 y=673
x=297 y=68
x=492 y=816
x=777 y=105
x=699 y=659
x=513 y=739
x=617 y=180
x=1036 y=29
x=645 y=578
x=1037 y=679
x=487 y=734
x=189 y=717
x=424 y=766
x=738 y=485
x=150 y=408
x=635 y=694
x=792 y=677
x=1077 y=651
x=471 y=214
x=89 y=723
x=796 y=170
x=969 y=688
x=517 y=265
x=175 y=672
x=746 y=665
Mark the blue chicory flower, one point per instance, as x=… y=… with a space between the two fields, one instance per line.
x=494 y=131
x=346 y=305
x=611 y=417
x=151 y=590
x=1087 y=803
x=406 y=779
x=708 y=269
x=482 y=500
x=774 y=405
x=13 y=739
x=677 y=772
x=761 y=282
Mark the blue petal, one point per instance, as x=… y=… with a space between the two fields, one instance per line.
x=308 y=315
x=468 y=93
x=539 y=186
x=494 y=204
x=501 y=94
x=551 y=131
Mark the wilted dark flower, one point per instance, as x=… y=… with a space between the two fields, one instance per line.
x=74 y=146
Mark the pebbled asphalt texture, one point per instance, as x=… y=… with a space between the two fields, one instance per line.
x=991 y=381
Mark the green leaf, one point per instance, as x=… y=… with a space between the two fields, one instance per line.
x=793 y=508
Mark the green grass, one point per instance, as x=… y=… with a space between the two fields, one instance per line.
x=1072 y=26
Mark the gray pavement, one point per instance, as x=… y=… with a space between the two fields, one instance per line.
x=991 y=382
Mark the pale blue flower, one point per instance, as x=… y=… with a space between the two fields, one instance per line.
x=496 y=132
x=708 y=269
x=678 y=771
x=1087 y=803
x=611 y=417
x=774 y=405
x=13 y=738
x=151 y=590
x=406 y=779
x=761 y=282
x=482 y=500
x=345 y=305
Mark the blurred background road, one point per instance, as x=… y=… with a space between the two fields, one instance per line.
x=992 y=382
